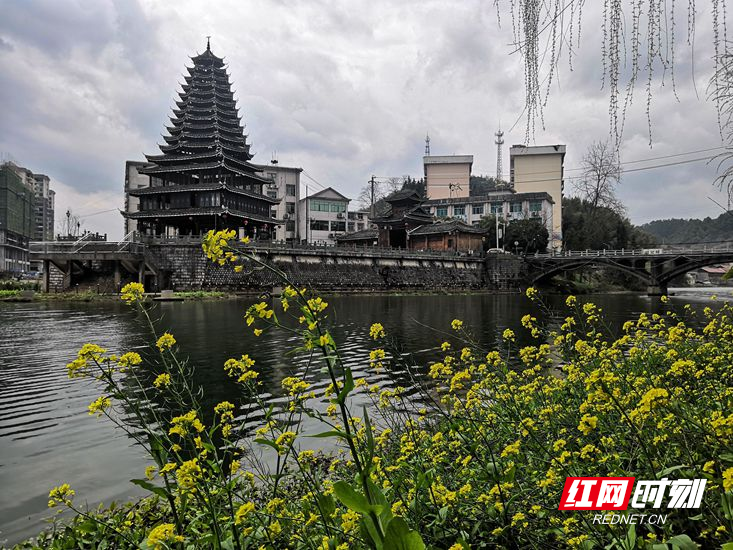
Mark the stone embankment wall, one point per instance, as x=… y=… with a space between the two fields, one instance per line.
x=184 y=267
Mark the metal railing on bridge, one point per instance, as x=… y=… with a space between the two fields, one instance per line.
x=667 y=250
x=47 y=248
x=288 y=246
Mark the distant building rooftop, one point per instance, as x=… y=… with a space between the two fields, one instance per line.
x=449 y=159
x=516 y=150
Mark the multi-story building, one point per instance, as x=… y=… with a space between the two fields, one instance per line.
x=16 y=217
x=506 y=205
x=538 y=169
x=134 y=180
x=286 y=187
x=357 y=220
x=43 y=208
x=323 y=217
x=447 y=176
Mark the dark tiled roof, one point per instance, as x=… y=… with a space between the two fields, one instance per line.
x=446 y=227
x=363 y=235
x=200 y=187
x=210 y=211
x=402 y=195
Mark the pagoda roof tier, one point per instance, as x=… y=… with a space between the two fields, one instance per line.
x=242 y=168
x=193 y=145
x=213 y=211
x=170 y=162
x=211 y=137
x=226 y=113
x=204 y=128
x=178 y=121
x=194 y=102
x=158 y=159
x=207 y=95
x=208 y=57
x=218 y=78
x=214 y=186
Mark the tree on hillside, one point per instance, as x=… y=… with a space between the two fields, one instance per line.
x=526 y=236
x=482 y=185
x=416 y=185
x=601 y=176
x=588 y=228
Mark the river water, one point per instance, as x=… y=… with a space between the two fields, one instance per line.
x=47 y=437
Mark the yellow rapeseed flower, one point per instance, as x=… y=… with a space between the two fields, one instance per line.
x=163 y=536
x=132 y=292
x=162 y=380
x=376 y=331
x=63 y=494
x=98 y=406
x=456 y=324
x=165 y=342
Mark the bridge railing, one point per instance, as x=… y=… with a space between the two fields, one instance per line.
x=47 y=248
x=667 y=250
x=289 y=246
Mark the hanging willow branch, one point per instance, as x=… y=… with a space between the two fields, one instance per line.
x=639 y=46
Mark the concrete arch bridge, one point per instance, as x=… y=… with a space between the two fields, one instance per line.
x=656 y=267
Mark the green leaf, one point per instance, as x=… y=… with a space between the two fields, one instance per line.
x=145 y=484
x=348 y=386
x=86 y=526
x=326 y=504
x=350 y=498
x=400 y=537
x=629 y=542
x=331 y=433
x=727 y=546
x=683 y=542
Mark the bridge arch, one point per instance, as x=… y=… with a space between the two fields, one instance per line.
x=640 y=274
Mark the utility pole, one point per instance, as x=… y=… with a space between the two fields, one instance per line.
x=497 y=230
x=371 y=209
x=307 y=215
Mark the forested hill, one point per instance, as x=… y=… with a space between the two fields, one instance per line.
x=678 y=231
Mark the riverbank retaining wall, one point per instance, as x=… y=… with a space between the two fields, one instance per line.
x=184 y=267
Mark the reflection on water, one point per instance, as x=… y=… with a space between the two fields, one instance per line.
x=47 y=437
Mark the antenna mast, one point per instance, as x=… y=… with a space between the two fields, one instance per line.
x=499 y=142
x=427 y=145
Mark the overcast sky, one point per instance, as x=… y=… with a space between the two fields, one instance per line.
x=342 y=89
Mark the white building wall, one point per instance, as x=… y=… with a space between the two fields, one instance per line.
x=286 y=187
x=318 y=226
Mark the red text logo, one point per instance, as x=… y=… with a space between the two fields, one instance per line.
x=596 y=493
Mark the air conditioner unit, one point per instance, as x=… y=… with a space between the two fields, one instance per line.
x=331 y=235
x=340 y=216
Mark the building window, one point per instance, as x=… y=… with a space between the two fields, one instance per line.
x=515 y=207
x=477 y=209
x=535 y=206
x=459 y=210
x=338 y=226
x=290 y=207
x=497 y=208
x=327 y=206
x=351 y=226
x=441 y=211
x=359 y=226
x=319 y=225
x=272 y=193
x=290 y=189
x=290 y=225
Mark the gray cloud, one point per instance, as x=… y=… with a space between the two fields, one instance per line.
x=344 y=90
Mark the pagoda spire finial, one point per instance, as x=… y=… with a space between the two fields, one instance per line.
x=208 y=43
